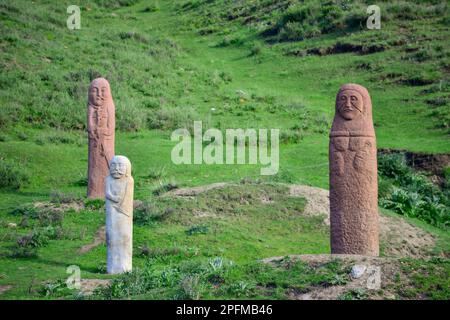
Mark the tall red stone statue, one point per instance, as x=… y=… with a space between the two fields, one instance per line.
x=101 y=127
x=353 y=174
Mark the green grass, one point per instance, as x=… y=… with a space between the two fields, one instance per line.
x=166 y=69
x=235 y=224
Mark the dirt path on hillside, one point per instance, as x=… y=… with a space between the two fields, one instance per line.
x=398 y=238
x=99 y=238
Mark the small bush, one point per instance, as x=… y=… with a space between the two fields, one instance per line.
x=39 y=237
x=241 y=289
x=228 y=41
x=191 y=286
x=12 y=177
x=311 y=19
x=23 y=252
x=82 y=182
x=151 y=8
x=392 y=166
x=147 y=213
x=59 y=197
x=94 y=204
x=26 y=210
x=255 y=50
x=50 y=218
x=354 y=294
x=156 y=173
x=197 y=230
x=290 y=136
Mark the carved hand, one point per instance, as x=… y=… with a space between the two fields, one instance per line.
x=113 y=197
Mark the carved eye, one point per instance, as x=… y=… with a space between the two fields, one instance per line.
x=354 y=98
x=343 y=97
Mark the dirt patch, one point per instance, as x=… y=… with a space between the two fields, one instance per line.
x=401 y=239
x=61 y=207
x=384 y=268
x=318 y=200
x=3 y=289
x=99 y=238
x=89 y=285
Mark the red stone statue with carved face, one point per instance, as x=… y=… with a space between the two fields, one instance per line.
x=353 y=174
x=101 y=128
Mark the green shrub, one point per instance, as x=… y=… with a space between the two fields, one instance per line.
x=197 y=230
x=290 y=136
x=311 y=19
x=156 y=173
x=12 y=177
x=40 y=237
x=94 y=204
x=151 y=8
x=147 y=213
x=59 y=197
x=23 y=252
x=255 y=49
x=354 y=294
x=385 y=187
x=410 y=193
x=26 y=210
x=393 y=166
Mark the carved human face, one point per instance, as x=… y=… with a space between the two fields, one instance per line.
x=118 y=168
x=98 y=93
x=349 y=104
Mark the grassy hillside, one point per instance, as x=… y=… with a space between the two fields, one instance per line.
x=231 y=64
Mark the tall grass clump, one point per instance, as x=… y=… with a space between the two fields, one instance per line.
x=12 y=177
x=312 y=18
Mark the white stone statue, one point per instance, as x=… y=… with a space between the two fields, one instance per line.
x=119 y=215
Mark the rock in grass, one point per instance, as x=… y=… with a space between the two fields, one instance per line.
x=357 y=271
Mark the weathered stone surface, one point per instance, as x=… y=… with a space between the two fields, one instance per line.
x=101 y=127
x=119 y=188
x=353 y=174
